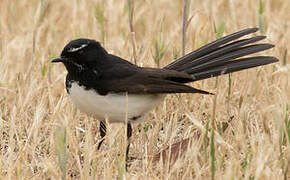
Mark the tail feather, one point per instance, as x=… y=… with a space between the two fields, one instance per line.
x=233 y=66
x=224 y=56
x=209 y=48
x=243 y=51
x=222 y=51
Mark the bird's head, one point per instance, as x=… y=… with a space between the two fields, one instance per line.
x=80 y=54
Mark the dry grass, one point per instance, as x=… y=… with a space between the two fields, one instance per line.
x=44 y=137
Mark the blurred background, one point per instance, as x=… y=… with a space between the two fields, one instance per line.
x=241 y=132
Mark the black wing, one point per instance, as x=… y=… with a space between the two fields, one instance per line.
x=126 y=77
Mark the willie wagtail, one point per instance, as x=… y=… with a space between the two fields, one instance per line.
x=106 y=86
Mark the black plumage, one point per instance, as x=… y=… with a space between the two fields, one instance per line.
x=93 y=67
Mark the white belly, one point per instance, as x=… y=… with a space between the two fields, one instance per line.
x=115 y=107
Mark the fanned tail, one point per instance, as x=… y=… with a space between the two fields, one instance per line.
x=224 y=56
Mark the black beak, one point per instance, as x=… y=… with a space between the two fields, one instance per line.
x=59 y=59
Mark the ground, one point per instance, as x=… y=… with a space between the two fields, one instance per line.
x=241 y=132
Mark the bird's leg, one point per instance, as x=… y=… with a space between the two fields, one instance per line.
x=129 y=134
x=102 y=133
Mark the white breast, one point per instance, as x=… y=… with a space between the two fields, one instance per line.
x=113 y=106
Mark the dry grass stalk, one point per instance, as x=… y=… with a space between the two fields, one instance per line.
x=255 y=144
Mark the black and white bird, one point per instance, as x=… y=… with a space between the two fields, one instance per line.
x=106 y=86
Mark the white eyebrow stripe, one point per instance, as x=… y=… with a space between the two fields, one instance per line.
x=78 y=48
